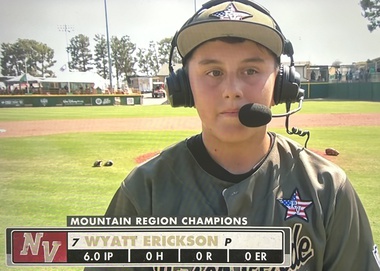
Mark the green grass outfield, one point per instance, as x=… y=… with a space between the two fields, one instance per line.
x=94 y=112
x=46 y=178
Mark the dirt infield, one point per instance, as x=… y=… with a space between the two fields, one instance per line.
x=48 y=127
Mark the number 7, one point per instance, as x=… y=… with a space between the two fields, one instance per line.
x=75 y=241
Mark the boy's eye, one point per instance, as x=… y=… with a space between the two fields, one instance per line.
x=214 y=73
x=250 y=71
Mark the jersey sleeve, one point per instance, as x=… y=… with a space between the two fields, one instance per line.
x=121 y=205
x=131 y=199
x=349 y=238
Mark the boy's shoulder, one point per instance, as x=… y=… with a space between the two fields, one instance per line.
x=292 y=155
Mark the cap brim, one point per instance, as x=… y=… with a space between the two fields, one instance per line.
x=197 y=33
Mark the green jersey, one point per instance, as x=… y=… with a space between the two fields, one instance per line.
x=292 y=187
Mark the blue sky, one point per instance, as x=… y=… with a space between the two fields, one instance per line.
x=321 y=31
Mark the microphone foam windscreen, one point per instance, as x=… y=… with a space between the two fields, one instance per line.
x=255 y=115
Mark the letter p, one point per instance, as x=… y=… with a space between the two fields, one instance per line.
x=228 y=241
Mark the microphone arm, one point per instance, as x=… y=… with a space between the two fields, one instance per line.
x=288 y=112
x=294 y=130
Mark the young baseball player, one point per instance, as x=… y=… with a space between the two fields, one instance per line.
x=231 y=57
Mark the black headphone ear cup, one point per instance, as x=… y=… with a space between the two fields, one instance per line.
x=173 y=89
x=183 y=79
x=278 y=85
x=179 y=91
x=292 y=86
x=287 y=86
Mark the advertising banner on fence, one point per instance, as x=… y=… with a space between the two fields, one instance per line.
x=68 y=100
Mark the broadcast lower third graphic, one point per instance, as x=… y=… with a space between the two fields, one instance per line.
x=148 y=246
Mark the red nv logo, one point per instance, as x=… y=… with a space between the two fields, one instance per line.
x=39 y=247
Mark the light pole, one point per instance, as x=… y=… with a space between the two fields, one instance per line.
x=66 y=28
x=108 y=45
x=26 y=76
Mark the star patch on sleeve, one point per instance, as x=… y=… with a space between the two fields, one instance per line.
x=295 y=206
x=231 y=13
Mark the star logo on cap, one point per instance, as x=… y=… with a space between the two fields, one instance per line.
x=295 y=206
x=231 y=13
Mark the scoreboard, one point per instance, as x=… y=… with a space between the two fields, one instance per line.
x=150 y=246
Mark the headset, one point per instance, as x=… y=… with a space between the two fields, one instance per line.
x=287 y=85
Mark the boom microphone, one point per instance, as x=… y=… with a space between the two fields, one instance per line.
x=255 y=115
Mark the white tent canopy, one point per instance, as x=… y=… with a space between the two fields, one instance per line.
x=23 y=78
x=79 y=77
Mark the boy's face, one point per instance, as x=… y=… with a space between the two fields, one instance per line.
x=224 y=77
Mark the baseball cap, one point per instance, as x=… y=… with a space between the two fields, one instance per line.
x=231 y=19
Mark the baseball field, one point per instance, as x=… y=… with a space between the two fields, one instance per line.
x=47 y=155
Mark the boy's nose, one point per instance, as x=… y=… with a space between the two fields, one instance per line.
x=232 y=87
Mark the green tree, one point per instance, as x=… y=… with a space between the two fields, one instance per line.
x=27 y=56
x=79 y=50
x=148 y=59
x=43 y=59
x=101 y=56
x=122 y=57
x=143 y=61
x=371 y=11
x=164 y=47
x=154 y=61
x=10 y=63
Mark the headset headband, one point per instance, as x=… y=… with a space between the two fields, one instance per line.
x=287 y=49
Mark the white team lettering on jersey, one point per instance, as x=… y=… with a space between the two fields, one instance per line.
x=375 y=252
